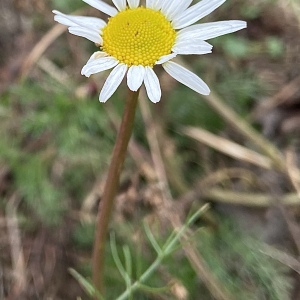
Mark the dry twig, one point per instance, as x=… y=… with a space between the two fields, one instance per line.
x=228 y=147
x=292 y=169
x=282 y=257
x=40 y=48
x=18 y=262
x=248 y=199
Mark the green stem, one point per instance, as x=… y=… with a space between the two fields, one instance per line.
x=167 y=249
x=110 y=190
x=135 y=286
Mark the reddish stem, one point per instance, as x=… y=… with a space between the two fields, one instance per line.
x=110 y=190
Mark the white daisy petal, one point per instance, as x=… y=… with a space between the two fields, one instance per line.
x=98 y=65
x=165 y=58
x=186 y=77
x=60 y=18
x=210 y=30
x=150 y=3
x=152 y=85
x=112 y=82
x=177 y=6
x=86 y=22
x=133 y=3
x=187 y=37
x=89 y=34
x=167 y=8
x=135 y=77
x=159 y=4
x=97 y=55
x=154 y=4
x=102 y=6
x=120 y=4
x=195 y=13
x=192 y=48
x=182 y=6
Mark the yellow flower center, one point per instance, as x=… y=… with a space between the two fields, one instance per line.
x=139 y=36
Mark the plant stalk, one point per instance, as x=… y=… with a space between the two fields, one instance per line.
x=110 y=190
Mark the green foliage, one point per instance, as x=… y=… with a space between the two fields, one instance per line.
x=86 y=285
x=251 y=10
x=237 y=261
x=197 y=112
x=275 y=46
x=233 y=257
x=136 y=273
x=39 y=193
x=67 y=6
x=239 y=89
x=235 y=46
x=54 y=149
x=83 y=235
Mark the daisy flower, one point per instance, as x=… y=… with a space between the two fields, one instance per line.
x=136 y=38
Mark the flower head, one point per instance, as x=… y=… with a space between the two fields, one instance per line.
x=136 y=38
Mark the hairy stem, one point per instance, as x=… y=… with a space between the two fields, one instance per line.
x=110 y=190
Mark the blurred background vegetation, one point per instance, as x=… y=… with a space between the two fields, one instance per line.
x=55 y=147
